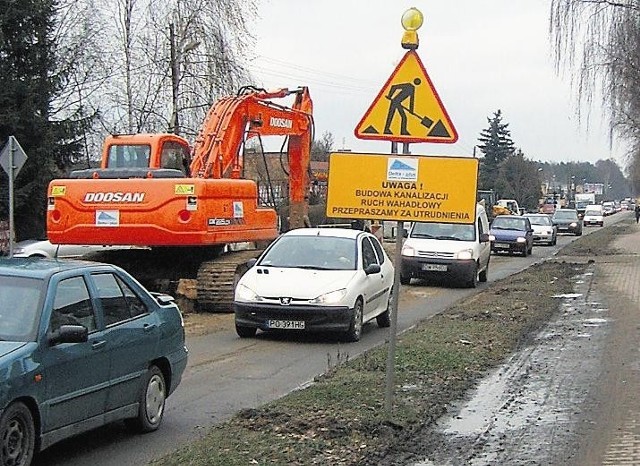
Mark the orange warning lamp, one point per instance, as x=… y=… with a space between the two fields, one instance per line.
x=412 y=20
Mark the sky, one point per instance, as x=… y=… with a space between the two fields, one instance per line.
x=481 y=56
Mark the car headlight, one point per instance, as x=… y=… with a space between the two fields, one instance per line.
x=573 y=225
x=244 y=293
x=549 y=232
x=465 y=254
x=18 y=250
x=330 y=298
x=492 y=238
x=521 y=239
x=408 y=251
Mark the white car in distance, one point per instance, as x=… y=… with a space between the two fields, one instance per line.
x=44 y=248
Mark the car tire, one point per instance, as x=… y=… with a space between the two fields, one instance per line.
x=484 y=275
x=384 y=319
x=152 y=399
x=246 y=332
x=472 y=279
x=355 y=327
x=405 y=279
x=18 y=435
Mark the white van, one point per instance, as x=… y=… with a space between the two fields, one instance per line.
x=459 y=251
x=593 y=215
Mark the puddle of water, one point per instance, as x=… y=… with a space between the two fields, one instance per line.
x=535 y=395
x=568 y=295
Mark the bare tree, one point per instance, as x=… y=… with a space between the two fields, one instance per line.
x=125 y=73
x=598 y=42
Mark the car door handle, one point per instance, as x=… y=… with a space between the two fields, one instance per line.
x=148 y=327
x=98 y=344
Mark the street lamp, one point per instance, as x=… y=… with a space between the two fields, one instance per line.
x=177 y=55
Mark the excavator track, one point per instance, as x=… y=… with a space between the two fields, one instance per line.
x=217 y=278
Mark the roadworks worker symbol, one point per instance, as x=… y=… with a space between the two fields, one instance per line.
x=408 y=108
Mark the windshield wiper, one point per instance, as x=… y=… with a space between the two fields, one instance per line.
x=422 y=235
x=312 y=267
x=454 y=238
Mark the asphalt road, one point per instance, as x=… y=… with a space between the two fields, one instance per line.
x=226 y=374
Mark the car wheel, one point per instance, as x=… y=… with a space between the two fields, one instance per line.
x=472 y=278
x=245 y=332
x=355 y=328
x=152 y=399
x=384 y=319
x=484 y=274
x=18 y=435
x=405 y=279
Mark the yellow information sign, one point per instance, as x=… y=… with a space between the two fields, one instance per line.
x=407 y=188
x=408 y=108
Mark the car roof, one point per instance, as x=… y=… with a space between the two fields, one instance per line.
x=43 y=268
x=329 y=232
x=509 y=216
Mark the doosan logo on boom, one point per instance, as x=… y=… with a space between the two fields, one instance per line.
x=281 y=122
x=114 y=197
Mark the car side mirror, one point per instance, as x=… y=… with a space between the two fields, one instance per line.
x=69 y=334
x=484 y=237
x=163 y=299
x=251 y=262
x=372 y=268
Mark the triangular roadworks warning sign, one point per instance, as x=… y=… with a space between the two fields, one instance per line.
x=408 y=108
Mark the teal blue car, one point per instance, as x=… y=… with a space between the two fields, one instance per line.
x=82 y=344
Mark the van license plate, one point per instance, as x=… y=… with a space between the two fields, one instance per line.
x=434 y=267
x=286 y=324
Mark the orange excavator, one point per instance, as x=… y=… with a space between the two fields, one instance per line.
x=155 y=190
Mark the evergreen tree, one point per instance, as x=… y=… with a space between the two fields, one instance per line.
x=496 y=147
x=519 y=179
x=29 y=83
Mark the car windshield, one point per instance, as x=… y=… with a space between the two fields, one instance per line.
x=540 y=220
x=450 y=231
x=508 y=223
x=21 y=301
x=565 y=215
x=312 y=252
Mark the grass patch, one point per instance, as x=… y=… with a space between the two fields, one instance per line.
x=340 y=419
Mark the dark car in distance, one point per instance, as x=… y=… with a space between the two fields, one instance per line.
x=567 y=221
x=511 y=234
x=82 y=344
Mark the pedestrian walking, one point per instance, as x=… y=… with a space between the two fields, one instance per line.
x=637 y=210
